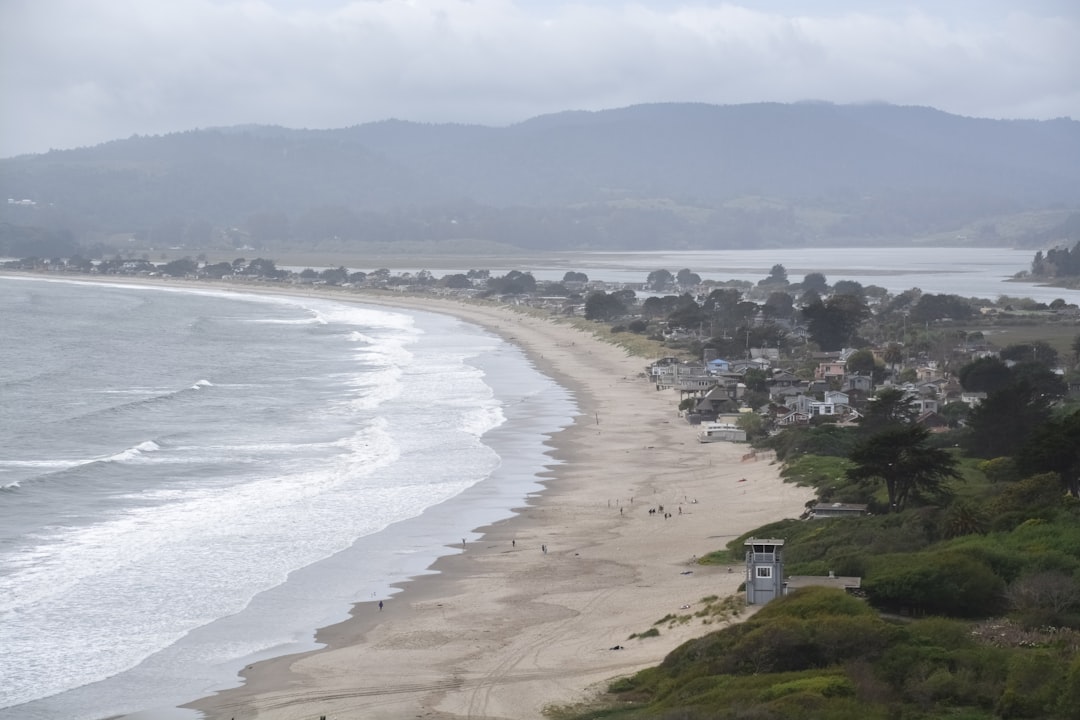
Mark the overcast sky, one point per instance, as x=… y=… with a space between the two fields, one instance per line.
x=80 y=72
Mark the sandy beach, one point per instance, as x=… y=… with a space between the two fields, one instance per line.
x=531 y=614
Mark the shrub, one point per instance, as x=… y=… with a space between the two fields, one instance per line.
x=945 y=583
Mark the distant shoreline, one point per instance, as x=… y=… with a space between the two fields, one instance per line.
x=504 y=629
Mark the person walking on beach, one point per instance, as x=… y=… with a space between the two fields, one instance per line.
x=380 y=606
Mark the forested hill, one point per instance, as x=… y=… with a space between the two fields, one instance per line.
x=642 y=177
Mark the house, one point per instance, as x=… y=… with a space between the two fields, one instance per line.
x=785 y=378
x=717 y=399
x=719 y=365
x=801 y=408
x=686 y=377
x=924 y=405
x=860 y=383
x=972 y=399
x=932 y=421
x=929 y=371
x=721 y=432
x=764 y=570
x=835 y=510
x=765 y=574
x=741 y=366
x=830 y=370
x=770 y=354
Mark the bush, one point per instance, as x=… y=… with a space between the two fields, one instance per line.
x=942 y=583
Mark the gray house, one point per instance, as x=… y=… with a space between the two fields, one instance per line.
x=764 y=570
x=765 y=574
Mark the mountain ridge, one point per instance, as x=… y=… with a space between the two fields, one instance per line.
x=574 y=179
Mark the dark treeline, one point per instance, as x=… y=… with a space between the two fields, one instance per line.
x=1058 y=262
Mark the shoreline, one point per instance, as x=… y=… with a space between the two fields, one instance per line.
x=505 y=628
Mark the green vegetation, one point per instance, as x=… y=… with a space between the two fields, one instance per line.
x=969 y=605
x=822 y=654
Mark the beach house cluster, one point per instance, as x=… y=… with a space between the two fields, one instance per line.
x=713 y=392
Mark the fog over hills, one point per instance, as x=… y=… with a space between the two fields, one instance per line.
x=662 y=176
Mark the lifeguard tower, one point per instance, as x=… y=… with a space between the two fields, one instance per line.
x=764 y=570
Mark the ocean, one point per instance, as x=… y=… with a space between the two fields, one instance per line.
x=194 y=480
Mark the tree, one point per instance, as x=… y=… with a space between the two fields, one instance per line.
x=514 y=282
x=458 y=281
x=1054 y=446
x=809 y=297
x=861 y=362
x=217 y=270
x=659 y=281
x=930 y=307
x=752 y=424
x=180 y=268
x=894 y=354
x=657 y=307
x=955 y=413
x=601 y=306
x=779 y=305
x=987 y=374
x=756 y=380
x=687 y=279
x=901 y=458
x=891 y=407
x=815 y=281
x=1002 y=423
x=1042 y=381
x=722 y=305
x=687 y=313
x=1038 y=351
x=777 y=276
x=334 y=276
x=572 y=276
x=1044 y=596
x=833 y=323
x=849 y=287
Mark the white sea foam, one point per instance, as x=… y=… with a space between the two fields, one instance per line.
x=133 y=453
x=43 y=464
x=201 y=384
x=256 y=533
x=210 y=518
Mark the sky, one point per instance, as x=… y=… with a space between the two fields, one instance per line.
x=80 y=72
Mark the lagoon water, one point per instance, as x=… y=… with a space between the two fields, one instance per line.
x=964 y=271
x=192 y=480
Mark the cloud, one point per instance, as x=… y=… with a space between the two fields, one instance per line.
x=77 y=72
